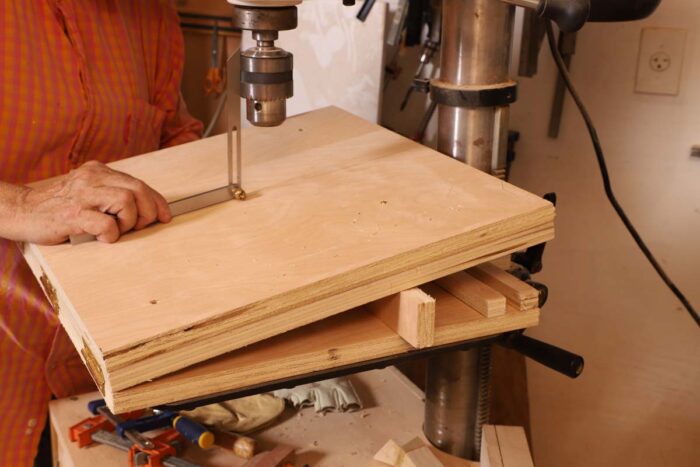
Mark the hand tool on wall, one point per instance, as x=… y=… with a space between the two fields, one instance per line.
x=425 y=121
x=365 y=9
x=398 y=22
x=430 y=16
x=214 y=81
x=418 y=15
x=530 y=43
x=567 y=48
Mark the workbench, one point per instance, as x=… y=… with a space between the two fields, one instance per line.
x=393 y=408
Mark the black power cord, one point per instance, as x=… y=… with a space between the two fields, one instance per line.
x=606 y=177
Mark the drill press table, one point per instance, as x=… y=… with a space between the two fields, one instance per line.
x=353 y=341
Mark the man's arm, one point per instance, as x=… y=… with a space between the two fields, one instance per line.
x=92 y=199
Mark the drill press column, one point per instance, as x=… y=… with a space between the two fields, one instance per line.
x=473 y=90
x=473 y=93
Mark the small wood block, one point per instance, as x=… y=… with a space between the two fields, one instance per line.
x=474 y=293
x=490 y=453
x=242 y=446
x=391 y=453
x=504 y=446
x=517 y=292
x=394 y=452
x=411 y=314
x=421 y=457
x=275 y=458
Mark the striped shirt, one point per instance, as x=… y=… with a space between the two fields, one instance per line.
x=79 y=80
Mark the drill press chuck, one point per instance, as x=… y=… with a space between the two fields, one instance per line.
x=266 y=70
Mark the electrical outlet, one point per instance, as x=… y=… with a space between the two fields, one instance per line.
x=660 y=61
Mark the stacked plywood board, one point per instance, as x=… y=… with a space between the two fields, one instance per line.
x=340 y=213
x=355 y=336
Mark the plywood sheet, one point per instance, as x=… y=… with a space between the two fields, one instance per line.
x=344 y=339
x=340 y=212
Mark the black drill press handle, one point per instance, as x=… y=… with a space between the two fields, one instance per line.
x=552 y=357
x=570 y=15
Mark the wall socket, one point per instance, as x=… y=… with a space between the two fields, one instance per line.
x=660 y=61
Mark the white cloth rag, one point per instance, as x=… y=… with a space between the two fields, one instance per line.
x=328 y=395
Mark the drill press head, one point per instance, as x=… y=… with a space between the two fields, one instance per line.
x=266 y=70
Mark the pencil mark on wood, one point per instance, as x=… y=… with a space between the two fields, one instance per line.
x=333 y=354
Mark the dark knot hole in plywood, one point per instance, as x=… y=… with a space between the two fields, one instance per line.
x=49 y=291
x=93 y=367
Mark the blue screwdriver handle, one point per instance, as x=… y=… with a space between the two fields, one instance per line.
x=193 y=431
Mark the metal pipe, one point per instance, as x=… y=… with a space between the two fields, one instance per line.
x=451 y=399
x=476 y=41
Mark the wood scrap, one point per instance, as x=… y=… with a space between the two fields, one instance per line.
x=490 y=452
x=333 y=221
x=504 y=446
x=412 y=453
x=242 y=446
x=474 y=293
x=393 y=451
x=411 y=314
x=518 y=293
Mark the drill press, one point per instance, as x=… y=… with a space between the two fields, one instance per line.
x=473 y=93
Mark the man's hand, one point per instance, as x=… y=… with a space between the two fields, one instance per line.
x=92 y=199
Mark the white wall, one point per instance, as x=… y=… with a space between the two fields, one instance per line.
x=638 y=400
x=338 y=60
